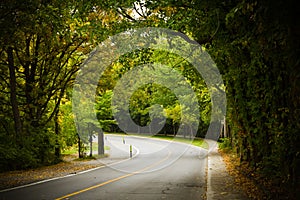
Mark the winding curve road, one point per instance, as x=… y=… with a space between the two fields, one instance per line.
x=159 y=169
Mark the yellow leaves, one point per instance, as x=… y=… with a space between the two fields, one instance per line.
x=251 y=6
x=77 y=23
x=104 y=17
x=239 y=172
x=117 y=66
x=173 y=113
x=21 y=177
x=284 y=109
x=245 y=43
x=170 y=10
x=84 y=49
x=72 y=27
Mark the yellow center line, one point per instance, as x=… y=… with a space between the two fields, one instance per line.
x=115 y=179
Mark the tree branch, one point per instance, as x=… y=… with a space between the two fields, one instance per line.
x=124 y=14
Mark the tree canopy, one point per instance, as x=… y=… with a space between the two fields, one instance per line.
x=255 y=45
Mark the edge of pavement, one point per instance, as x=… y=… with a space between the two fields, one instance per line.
x=220 y=185
x=107 y=164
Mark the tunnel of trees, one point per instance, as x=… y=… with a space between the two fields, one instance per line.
x=255 y=45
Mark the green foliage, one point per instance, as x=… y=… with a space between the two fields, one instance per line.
x=43 y=45
x=154 y=94
x=256 y=54
x=255 y=44
x=68 y=136
x=225 y=143
x=104 y=111
x=256 y=47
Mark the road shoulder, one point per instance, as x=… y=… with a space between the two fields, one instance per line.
x=70 y=166
x=220 y=185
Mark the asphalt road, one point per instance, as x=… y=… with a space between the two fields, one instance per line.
x=158 y=170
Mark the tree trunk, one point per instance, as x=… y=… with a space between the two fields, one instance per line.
x=90 y=131
x=79 y=144
x=57 y=133
x=79 y=148
x=91 y=144
x=100 y=143
x=13 y=93
x=174 y=130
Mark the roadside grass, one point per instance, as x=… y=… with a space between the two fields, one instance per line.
x=94 y=157
x=74 y=150
x=95 y=147
x=70 y=150
x=199 y=142
x=224 y=145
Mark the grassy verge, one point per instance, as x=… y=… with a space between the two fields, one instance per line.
x=199 y=142
x=74 y=150
x=94 y=157
x=70 y=150
x=196 y=142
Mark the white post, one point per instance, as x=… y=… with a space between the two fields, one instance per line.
x=130 y=151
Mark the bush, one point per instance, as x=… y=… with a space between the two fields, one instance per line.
x=225 y=143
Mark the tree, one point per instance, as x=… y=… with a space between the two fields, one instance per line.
x=44 y=44
x=256 y=47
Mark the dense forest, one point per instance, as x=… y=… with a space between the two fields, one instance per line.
x=255 y=45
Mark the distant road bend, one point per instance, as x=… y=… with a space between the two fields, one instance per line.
x=158 y=170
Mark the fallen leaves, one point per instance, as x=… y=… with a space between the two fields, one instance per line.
x=254 y=185
x=234 y=168
x=69 y=166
